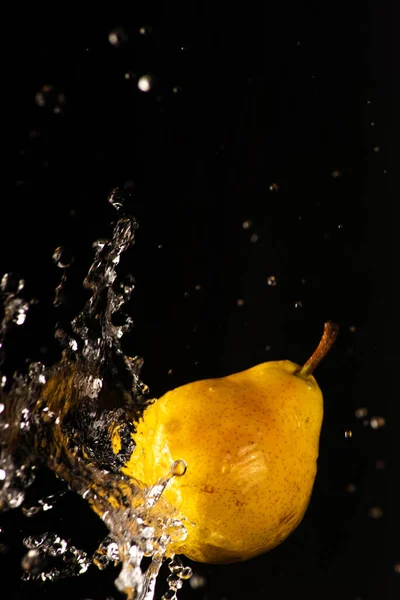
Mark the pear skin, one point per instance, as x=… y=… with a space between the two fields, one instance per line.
x=250 y=442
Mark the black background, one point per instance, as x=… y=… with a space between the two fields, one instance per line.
x=287 y=96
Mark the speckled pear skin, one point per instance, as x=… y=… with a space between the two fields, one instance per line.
x=250 y=441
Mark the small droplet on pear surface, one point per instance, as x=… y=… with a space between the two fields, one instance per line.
x=178 y=468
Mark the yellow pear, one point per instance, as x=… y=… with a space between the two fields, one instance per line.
x=250 y=442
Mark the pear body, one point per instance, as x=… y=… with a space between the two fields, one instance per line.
x=250 y=441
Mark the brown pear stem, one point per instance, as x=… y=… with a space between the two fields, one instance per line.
x=329 y=336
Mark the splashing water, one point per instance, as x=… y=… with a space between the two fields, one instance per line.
x=64 y=417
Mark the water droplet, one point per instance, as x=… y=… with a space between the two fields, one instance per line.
x=254 y=238
x=336 y=173
x=380 y=464
x=62 y=257
x=116 y=198
x=247 y=224
x=117 y=37
x=240 y=302
x=397 y=568
x=145 y=83
x=11 y=283
x=271 y=280
x=375 y=512
x=3 y=474
x=197 y=581
x=351 y=488
x=348 y=433
x=197 y=287
x=50 y=98
x=2 y=407
x=376 y=148
x=298 y=304
x=377 y=422
x=178 y=468
x=274 y=187
x=352 y=328
x=361 y=412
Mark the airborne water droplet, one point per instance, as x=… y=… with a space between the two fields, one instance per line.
x=361 y=413
x=145 y=83
x=377 y=422
x=62 y=257
x=271 y=280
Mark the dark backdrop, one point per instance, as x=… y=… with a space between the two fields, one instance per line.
x=279 y=117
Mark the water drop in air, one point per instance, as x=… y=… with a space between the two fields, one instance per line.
x=145 y=83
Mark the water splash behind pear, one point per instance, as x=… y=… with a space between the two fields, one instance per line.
x=250 y=441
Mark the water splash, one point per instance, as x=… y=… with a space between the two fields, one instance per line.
x=65 y=416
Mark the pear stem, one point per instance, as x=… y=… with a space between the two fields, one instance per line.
x=329 y=336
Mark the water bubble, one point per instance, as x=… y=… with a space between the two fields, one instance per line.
x=145 y=83
x=271 y=280
x=247 y=224
x=377 y=422
x=361 y=412
x=348 y=433
x=62 y=257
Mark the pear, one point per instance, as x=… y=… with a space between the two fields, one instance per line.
x=250 y=442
